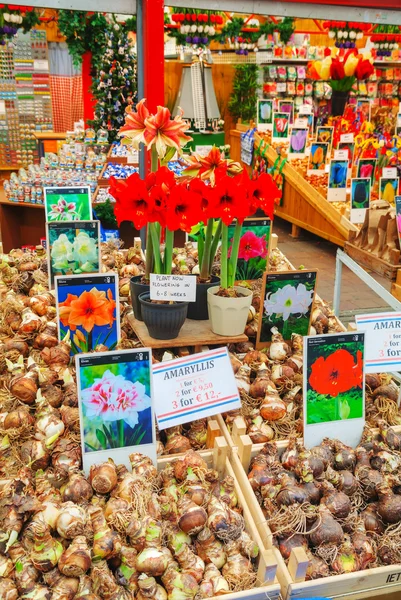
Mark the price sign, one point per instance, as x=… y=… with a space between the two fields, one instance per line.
x=132 y=157
x=301 y=123
x=181 y=288
x=383 y=337
x=389 y=173
x=194 y=387
x=347 y=138
x=305 y=109
x=340 y=155
x=40 y=65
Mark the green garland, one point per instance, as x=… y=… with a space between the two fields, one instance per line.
x=83 y=32
x=286 y=28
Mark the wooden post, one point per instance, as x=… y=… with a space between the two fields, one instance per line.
x=298 y=564
x=295 y=231
x=239 y=428
x=267 y=567
x=245 y=450
x=220 y=452
x=213 y=431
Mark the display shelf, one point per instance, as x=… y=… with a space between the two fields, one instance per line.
x=4 y=200
x=193 y=333
x=302 y=205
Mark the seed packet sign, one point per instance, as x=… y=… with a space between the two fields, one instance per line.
x=287 y=304
x=318 y=158
x=194 y=387
x=281 y=125
x=337 y=188
x=68 y=203
x=179 y=288
x=88 y=314
x=298 y=141
x=253 y=248
x=264 y=117
x=360 y=198
x=383 y=341
x=334 y=381
x=74 y=248
x=115 y=406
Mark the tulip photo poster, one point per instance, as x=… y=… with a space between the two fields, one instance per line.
x=318 y=158
x=334 y=377
x=264 y=115
x=366 y=168
x=398 y=216
x=298 y=139
x=288 y=299
x=68 y=203
x=360 y=198
x=87 y=311
x=337 y=188
x=287 y=106
x=73 y=248
x=253 y=248
x=281 y=126
x=324 y=134
x=115 y=406
x=388 y=189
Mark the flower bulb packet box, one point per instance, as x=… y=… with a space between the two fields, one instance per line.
x=338 y=175
x=68 y=203
x=115 y=406
x=73 y=248
x=194 y=387
x=360 y=198
x=287 y=304
x=88 y=312
x=253 y=249
x=264 y=115
x=333 y=388
x=319 y=151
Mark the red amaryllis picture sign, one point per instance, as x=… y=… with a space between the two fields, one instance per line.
x=334 y=387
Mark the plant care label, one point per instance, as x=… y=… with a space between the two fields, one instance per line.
x=334 y=384
x=347 y=138
x=181 y=288
x=383 y=341
x=115 y=406
x=390 y=172
x=340 y=155
x=194 y=387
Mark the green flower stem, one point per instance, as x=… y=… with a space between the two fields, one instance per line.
x=205 y=264
x=120 y=428
x=149 y=260
x=154 y=160
x=214 y=244
x=90 y=341
x=232 y=269
x=224 y=257
x=201 y=246
x=168 y=251
x=156 y=249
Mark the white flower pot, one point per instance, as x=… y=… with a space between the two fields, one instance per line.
x=228 y=316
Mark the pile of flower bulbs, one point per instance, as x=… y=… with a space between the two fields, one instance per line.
x=120 y=534
x=343 y=506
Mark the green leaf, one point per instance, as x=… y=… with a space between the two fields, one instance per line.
x=101 y=439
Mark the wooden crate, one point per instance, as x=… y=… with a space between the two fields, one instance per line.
x=373 y=263
x=371 y=583
x=267 y=586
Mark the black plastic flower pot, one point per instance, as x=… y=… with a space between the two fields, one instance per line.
x=338 y=102
x=198 y=310
x=136 y=288
x=163 y=321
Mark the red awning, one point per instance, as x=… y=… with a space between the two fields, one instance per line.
x=393 y=4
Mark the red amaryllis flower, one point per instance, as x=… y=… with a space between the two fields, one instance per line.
x=133 y=202
x=211 y=166
x=205 y=198
x=159 y=198
x=264 y=193
x=252 y=246
x=231 y=200
x=135 y=125
x=337 y=373
x=165 y=132
x=183 y=210
x=163 y=177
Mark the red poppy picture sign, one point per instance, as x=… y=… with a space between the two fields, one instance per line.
x=334 y=381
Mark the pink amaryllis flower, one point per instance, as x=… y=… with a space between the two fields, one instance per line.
x=165 y=132
x=252 y=246
x=134 y=129
x=113 y=398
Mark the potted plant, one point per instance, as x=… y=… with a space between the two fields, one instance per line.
x=160 y=204
x=236 y=198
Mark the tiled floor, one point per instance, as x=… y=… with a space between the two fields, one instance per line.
x=314 y=252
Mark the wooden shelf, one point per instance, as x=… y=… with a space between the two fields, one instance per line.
x=24 y=204
x=10 y=167
x=49 y=135
x=193 y=333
